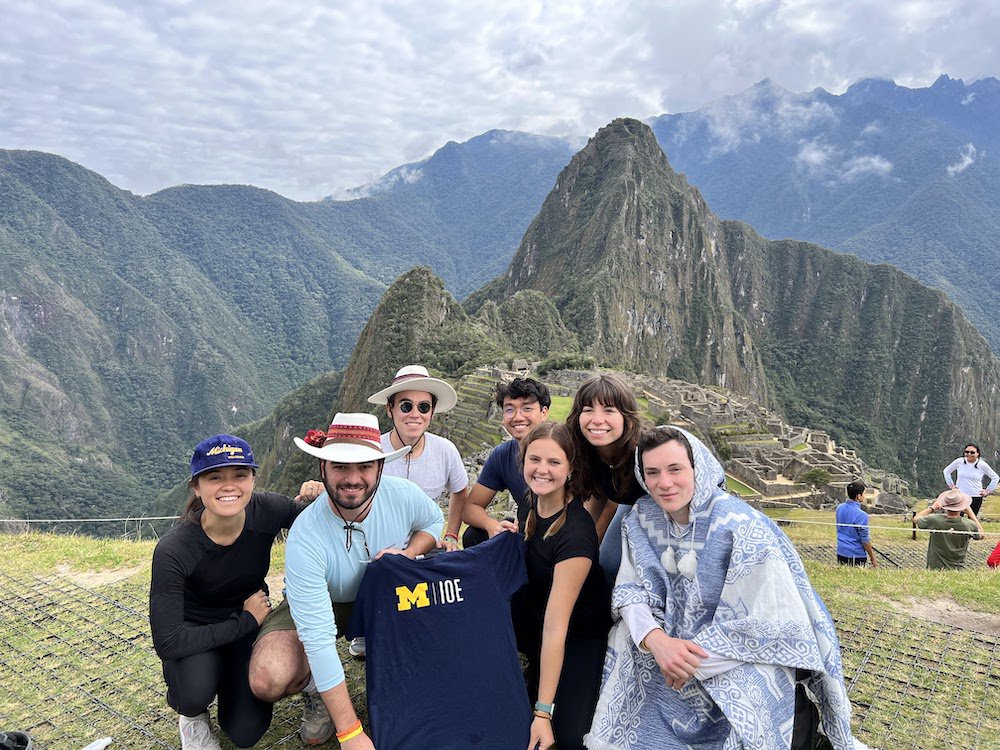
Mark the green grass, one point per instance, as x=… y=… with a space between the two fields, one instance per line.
x=800 y=447
x=560 y=408
x=910 y=675
x=737 y=487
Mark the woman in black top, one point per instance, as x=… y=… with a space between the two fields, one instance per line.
x=605 y=425
x=208 y=596
x=561 y=615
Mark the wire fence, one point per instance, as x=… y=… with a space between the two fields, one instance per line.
x=77 y=663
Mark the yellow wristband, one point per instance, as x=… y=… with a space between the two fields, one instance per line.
x=351 y=733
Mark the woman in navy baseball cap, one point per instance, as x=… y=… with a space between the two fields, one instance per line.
x=208 y=596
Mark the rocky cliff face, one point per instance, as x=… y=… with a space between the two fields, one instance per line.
x=632 y=258
x=865 y=351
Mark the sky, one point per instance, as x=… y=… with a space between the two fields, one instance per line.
x=309 y=98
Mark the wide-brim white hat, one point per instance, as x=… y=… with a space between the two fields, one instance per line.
x=416 y=378
x=352 y=438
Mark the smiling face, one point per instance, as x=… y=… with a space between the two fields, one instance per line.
x=224 y=491
x=406 y=415
x=669 y=476
x=350 y=485
x=520 y=415
x=601 y=425
x=971 y=454
x=546 y=468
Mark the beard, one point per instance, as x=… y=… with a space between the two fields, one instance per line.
x=351 y=496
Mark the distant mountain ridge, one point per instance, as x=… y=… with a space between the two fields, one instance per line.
x=887 y=173
x=191 y=310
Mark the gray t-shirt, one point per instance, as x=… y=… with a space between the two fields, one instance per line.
x=438 y=470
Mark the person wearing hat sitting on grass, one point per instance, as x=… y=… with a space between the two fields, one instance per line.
x=947 y=551
x=363 y=515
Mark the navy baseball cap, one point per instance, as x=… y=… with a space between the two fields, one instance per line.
x=221 y=450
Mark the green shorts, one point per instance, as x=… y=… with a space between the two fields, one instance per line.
x=280 y=618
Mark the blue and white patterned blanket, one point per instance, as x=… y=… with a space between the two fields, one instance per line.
x=749 y=599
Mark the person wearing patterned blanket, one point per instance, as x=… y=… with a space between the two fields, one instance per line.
x=724 y=616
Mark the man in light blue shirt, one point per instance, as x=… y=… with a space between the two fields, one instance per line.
x=853 y=544
x=362 y=516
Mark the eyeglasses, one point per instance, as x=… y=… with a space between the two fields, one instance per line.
x=423 y=407
x=971 y=453
x=350 y=528
x=510 y=411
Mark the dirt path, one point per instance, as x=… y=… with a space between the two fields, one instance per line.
x=946 y=612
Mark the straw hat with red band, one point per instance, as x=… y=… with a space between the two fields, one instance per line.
x=416 y=378
x=351 y=439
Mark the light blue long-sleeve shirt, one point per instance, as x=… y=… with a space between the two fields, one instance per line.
x=319 y=570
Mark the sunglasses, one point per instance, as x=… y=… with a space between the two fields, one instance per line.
x=971 y=453
x=423 y=407
x=350 y=528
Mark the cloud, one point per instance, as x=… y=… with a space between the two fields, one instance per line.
x=307 y=98
x=859 y=166
x=969 y=154
x=814 y=156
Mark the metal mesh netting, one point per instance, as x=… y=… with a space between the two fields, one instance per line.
x=898 y=554
x=77 y=664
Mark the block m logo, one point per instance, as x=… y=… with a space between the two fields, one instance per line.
x=416 y=598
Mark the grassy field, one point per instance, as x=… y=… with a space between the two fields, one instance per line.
x=76 y=661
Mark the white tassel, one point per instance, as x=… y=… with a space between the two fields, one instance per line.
x=688 y=565
x=667 y=560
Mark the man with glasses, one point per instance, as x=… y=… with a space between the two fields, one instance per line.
x=433 y=463
x=329 y=546
x=524 y=403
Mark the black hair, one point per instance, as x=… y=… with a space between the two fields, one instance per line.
x=526 y=388
x=856 y=489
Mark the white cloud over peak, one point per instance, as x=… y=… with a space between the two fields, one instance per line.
x=968 y=156
x=860 y=166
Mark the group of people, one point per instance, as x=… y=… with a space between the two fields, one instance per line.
x=955 y=512
x=654 y=609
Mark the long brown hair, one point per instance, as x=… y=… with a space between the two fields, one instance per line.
x=559 y=433
x=606 y=389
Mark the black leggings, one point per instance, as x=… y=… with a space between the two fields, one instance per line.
x=977 y=503
x=194 y=681
x=578 y=690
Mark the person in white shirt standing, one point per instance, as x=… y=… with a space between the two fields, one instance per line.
x=433 y=463
x=970 y=470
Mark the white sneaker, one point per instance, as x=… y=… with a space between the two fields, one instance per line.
x=357 y=648
x=317 y=726
x=196 y=733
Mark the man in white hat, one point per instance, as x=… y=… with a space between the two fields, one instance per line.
x=363 y=515
x=947 y=551
x=433 y=463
